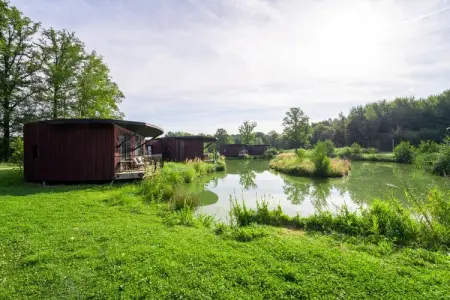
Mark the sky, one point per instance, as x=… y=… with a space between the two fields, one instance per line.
x=199 y=65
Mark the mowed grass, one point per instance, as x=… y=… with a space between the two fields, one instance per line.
x=102 y=242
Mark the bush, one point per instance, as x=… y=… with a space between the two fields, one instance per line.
x=371 y=150
x=329 y=145
x=428 y=147
x=320 y=159
x=300 y=154
x=182 y=200
x=356 y=149
x=270 y=153
x=404 y=152
x=17 y=153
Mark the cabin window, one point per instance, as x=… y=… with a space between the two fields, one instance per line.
x=125 y=146
x=140 y=150
x=35 y=152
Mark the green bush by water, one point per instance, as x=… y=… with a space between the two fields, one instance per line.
x=426 y=224
x=404 y=152
x=320 y=159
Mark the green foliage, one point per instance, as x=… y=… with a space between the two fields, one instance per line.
x=320 y=159
x=301 y=164
x=184 y=201
x=17 y=154
x=118 y=249
x=223 y=137
x=246 y=132
x=371 y=150
x=296 y=127
x=426 y=224
x=404 y=152
x=329 y=147
x=428 y=147
x=270 y=153
x=356 y=149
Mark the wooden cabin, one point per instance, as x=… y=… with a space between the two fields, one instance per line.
x=180 y=148
x=257 y=149
x=80 y=150
x=233 y=150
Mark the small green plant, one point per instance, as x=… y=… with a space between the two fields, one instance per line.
x=404 y=152
x=181 y=201
x=270 y=153
x=17 y=153
x=300 y=154
x=371 y=150
x=329 y=145
x=320 y=159
x=356 y=149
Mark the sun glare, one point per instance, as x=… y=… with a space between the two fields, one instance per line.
x=351 y=42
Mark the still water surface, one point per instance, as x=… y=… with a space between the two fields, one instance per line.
x=252 y=181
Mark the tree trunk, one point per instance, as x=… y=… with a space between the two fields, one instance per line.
x=6 y=130
x=55 y=104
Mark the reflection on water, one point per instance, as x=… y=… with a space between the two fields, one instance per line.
x=253 y=180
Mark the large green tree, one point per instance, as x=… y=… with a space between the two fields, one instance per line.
x=296 y=127
x=246 y=132
x=223 y=137
x=20 y=64
x=64 y=54
x=97 y=95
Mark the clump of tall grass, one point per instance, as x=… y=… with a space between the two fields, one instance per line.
x=181 y=200
x=433 y=157
x=159 y=184
x=425 y=224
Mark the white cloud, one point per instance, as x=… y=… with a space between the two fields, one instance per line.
x=198 y=65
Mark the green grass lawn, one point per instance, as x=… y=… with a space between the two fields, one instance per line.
x=102 y=242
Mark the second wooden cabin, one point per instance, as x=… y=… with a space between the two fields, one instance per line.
x=180 y=148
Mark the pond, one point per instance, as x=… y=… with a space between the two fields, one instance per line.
x=252 y=180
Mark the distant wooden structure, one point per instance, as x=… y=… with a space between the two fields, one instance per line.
x=236 y=150
x=80 y=150
x=257 y=149
x=232 y=150
x=180 y=148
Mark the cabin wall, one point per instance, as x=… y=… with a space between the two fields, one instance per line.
x=179 y=149
x=68 y=152
x=257 y=149
x=231 y=150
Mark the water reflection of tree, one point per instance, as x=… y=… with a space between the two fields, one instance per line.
x=247 y=176
x=317 y=191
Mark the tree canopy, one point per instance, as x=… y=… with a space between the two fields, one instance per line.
x=47 y=74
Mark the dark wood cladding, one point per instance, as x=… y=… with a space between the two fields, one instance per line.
x=231 y=150
x=68 y=152
x=257 y=149
x=179 y=149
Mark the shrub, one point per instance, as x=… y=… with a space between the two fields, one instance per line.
x=270 y=153
x=329 y=145
x=428 y=147
x=182 y=200
x=371 y=150
x=320 y=159
x=356 y=149
x=17 y=153
x=300 y=154
x=404 y=152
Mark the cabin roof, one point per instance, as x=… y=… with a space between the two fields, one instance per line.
x=140 y=128
x=206 y=139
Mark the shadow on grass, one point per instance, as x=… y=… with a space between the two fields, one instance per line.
x=12 y=184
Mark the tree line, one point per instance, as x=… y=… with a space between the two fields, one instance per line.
x=46 y=73
x=379 y=125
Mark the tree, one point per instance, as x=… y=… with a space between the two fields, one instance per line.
x=296 y=127
x=246 y=132
x=273 y=139
x=177 y=133
x=223 y=137
x=97 y=95
x=20 y=63
x=64 y=54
